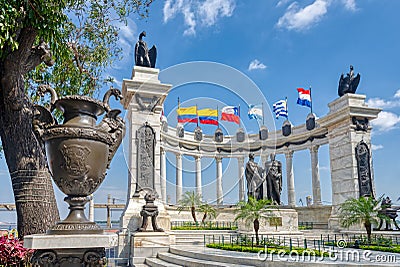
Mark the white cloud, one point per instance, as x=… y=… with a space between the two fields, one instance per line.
x=350 y=5
x=386 y=121
x=376 y=147
x=297 y=18
x=282 y=2
x=256 y=65
x=198 y=12
x=381 y=103
x=377 y=102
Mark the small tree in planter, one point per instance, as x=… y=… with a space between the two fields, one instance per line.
x=190 y=201
x=252 y=211
x=207 y=210
x=364 y=210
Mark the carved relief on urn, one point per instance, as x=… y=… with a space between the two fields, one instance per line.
x=78 y=151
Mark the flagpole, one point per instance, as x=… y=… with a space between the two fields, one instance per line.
x=197 y=116
x=179 y=103
x=218 y=116
x=287 y=110
x=262 y=111
x=239 y=117
x=311 y=99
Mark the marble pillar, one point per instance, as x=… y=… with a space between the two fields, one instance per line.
x=179 y=181
x=219 y=181
x=316 y=183
x=163 y=174
x=290 y=179
x=242 y=188
x=198 y=176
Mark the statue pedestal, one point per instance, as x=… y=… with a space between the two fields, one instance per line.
x=74 y=250
x=348 y=125
x=144 y=96
x=280 y=222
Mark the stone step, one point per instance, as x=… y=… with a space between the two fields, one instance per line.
x=156 y=262
x=140 y=265
x=193 y=261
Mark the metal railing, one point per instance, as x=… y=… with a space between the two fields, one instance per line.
x=325 y=242
x=212 y=225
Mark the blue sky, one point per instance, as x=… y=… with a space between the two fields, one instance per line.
x=279 y=45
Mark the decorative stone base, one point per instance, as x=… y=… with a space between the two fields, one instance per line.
x=143 y=244
x=281 y=222
x=70 y=250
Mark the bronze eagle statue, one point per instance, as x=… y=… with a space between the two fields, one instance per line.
x=143 y=56
x=349 y=83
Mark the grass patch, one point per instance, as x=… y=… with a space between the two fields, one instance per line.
x=395 y=249
x=193 y=227
x=270 y=250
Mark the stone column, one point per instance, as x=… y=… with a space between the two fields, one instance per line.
x=163 y=174
x=290 y=179
x=198 y=175
x=242 y=189
x=178 y=183
x=219 y=181
x=264 y=159
x=316 y=184
x=347 y=123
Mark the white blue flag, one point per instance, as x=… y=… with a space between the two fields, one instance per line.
x=280 y=108
x=255 y=112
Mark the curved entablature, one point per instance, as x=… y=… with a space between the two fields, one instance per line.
x=230 y=147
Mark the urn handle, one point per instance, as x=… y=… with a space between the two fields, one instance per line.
x=45 y=88
x=106 y=99
x=112 y=122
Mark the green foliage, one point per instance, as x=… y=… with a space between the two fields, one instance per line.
x=395 y=249
x=82 y=37
x=189 y=200
x=208 y=211
x=363 y=210
x=254 y=209
x=268 y=250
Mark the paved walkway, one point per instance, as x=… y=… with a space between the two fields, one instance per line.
x=343 y=257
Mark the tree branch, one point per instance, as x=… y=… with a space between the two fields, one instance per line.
x=39 y=54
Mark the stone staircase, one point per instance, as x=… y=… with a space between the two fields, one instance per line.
x=183 y=256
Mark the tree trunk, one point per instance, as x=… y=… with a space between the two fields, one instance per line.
x=193 y=210
x=368 y=227
x=33 y=191
x=256 y=225
x=204 y=218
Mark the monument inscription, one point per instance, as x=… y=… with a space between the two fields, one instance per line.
x=145 y=157
x=364 y=169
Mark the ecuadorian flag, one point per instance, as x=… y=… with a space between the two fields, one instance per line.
x=187 y=115
x=208 y=116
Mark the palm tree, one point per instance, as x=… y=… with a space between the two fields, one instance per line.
x=253 y=211
x=190 y=200
x=364 y=210
x=207 y=209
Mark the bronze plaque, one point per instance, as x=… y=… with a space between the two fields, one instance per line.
x=145 y=157
x=275 y=221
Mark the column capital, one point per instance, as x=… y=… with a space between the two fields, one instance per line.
x=197 y=157
x=240 y=160
x=314 y=148
x=178 y=155
x=289 y=153
x=218 y=159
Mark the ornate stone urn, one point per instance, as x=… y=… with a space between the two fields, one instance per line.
x=78 y=151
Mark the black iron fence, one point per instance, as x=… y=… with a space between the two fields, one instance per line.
x=218 y=225
x=323 y=243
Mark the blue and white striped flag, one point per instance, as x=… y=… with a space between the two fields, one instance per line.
x=280 y=108
x=255 y=112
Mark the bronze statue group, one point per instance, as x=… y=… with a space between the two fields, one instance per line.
x=257 y=177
